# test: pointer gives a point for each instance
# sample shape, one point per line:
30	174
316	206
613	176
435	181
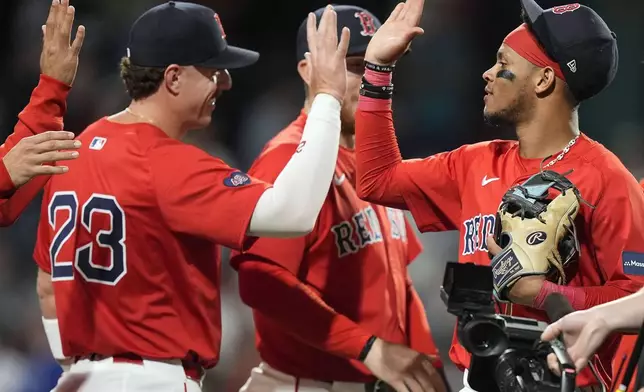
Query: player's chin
204	120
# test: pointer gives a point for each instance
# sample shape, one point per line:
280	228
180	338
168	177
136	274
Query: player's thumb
551	332
416	31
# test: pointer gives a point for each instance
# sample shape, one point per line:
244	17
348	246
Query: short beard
511	115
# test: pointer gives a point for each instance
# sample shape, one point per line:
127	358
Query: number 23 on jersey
67	232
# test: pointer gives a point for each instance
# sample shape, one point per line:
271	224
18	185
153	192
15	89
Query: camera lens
484	338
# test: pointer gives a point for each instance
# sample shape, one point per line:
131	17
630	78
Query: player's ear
544	81
171	78
304	70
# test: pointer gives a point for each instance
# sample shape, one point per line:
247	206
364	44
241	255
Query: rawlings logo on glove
537	233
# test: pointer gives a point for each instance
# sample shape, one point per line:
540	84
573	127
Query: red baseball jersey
355	259
130	236
461	190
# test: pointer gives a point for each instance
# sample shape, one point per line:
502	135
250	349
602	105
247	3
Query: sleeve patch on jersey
236	179
633	263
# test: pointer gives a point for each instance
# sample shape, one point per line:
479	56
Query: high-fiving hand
31	155
59	58
394	37
326	57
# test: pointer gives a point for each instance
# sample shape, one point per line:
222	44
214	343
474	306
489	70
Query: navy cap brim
232	57
532	10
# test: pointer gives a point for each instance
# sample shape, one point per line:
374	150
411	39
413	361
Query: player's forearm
47	300
12	207
625	314
290	208
45	290
377	152
6	184
44	112
298	310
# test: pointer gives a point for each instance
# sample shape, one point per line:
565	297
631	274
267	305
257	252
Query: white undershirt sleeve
290	208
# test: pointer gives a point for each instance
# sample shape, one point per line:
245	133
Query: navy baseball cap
579	40
184	34
362	24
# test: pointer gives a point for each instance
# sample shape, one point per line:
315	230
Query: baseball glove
536	231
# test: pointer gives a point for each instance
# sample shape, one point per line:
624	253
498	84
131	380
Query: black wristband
378	92
379	68
366	348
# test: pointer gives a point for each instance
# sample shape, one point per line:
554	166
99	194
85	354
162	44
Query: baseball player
319	302
545	68
128	242
27	154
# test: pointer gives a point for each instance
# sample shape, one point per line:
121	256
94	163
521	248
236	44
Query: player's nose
488	76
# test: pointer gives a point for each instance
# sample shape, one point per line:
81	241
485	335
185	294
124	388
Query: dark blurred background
438	107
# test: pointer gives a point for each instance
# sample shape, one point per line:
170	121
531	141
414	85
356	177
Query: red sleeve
617	230
429	187
44	112
414	246
322	328
201	195
286	252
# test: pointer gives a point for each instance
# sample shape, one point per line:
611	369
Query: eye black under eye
505	74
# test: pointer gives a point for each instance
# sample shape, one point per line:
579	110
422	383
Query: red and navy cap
579	40
184	34
362	24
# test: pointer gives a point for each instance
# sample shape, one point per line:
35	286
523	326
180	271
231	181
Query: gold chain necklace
561	154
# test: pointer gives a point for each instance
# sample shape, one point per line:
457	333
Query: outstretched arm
25	153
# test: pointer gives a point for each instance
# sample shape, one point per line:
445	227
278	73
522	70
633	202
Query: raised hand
29	157
59	58
326	57
394	37
403	368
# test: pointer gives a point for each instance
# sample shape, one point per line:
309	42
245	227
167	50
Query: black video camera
507	352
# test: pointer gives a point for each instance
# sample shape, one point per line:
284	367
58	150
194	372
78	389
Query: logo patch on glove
236	179
536	238
506	267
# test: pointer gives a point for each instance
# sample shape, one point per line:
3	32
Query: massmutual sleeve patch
633	263
236	179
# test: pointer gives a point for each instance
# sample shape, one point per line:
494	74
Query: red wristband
378	78
576	295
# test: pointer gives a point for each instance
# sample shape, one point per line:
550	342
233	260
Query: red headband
522	41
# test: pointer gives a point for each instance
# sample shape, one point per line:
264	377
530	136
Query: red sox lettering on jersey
364	229
475	233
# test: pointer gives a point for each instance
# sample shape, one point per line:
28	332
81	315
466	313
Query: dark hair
140	82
